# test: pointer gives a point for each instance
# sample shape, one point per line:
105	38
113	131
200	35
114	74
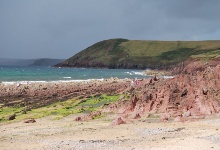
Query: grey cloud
59	29
195	9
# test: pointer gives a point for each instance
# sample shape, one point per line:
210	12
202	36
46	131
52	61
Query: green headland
141	54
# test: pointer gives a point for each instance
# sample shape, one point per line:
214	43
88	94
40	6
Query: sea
14	74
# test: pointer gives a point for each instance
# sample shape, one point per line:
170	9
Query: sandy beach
142	134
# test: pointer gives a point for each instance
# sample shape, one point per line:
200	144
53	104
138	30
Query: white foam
168	77
54	81
7	83
67	81
129	73
139	73
86	80
21	82
67	77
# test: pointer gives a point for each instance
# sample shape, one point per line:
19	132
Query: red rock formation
188	95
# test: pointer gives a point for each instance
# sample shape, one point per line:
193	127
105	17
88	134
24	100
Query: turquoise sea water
33	73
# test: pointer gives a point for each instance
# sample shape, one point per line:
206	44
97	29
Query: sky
61	28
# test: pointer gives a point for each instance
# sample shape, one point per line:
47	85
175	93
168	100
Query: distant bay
42	73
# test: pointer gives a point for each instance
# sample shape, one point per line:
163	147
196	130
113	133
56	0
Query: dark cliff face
46	62
91	64
126	54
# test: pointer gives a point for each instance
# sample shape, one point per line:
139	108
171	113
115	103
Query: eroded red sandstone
188	95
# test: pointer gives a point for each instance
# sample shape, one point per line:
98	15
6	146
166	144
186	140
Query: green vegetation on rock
123	53
60	109
207	56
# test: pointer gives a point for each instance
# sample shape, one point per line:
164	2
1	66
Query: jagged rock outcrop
192	95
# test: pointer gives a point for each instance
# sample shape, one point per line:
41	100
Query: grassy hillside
123	53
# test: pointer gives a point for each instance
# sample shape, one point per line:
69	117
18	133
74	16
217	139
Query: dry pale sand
99	134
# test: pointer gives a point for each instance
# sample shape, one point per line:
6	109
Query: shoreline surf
33	73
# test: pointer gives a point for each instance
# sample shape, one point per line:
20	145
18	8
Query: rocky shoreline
185	97
36	95
155	113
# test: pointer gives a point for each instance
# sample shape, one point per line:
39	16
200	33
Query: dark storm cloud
61	28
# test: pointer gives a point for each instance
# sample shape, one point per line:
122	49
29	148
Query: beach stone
94	115
30	121
78	119
118	121
11	117
164	117
178	119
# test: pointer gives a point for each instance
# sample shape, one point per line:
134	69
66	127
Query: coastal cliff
137	54
29	62
46	62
